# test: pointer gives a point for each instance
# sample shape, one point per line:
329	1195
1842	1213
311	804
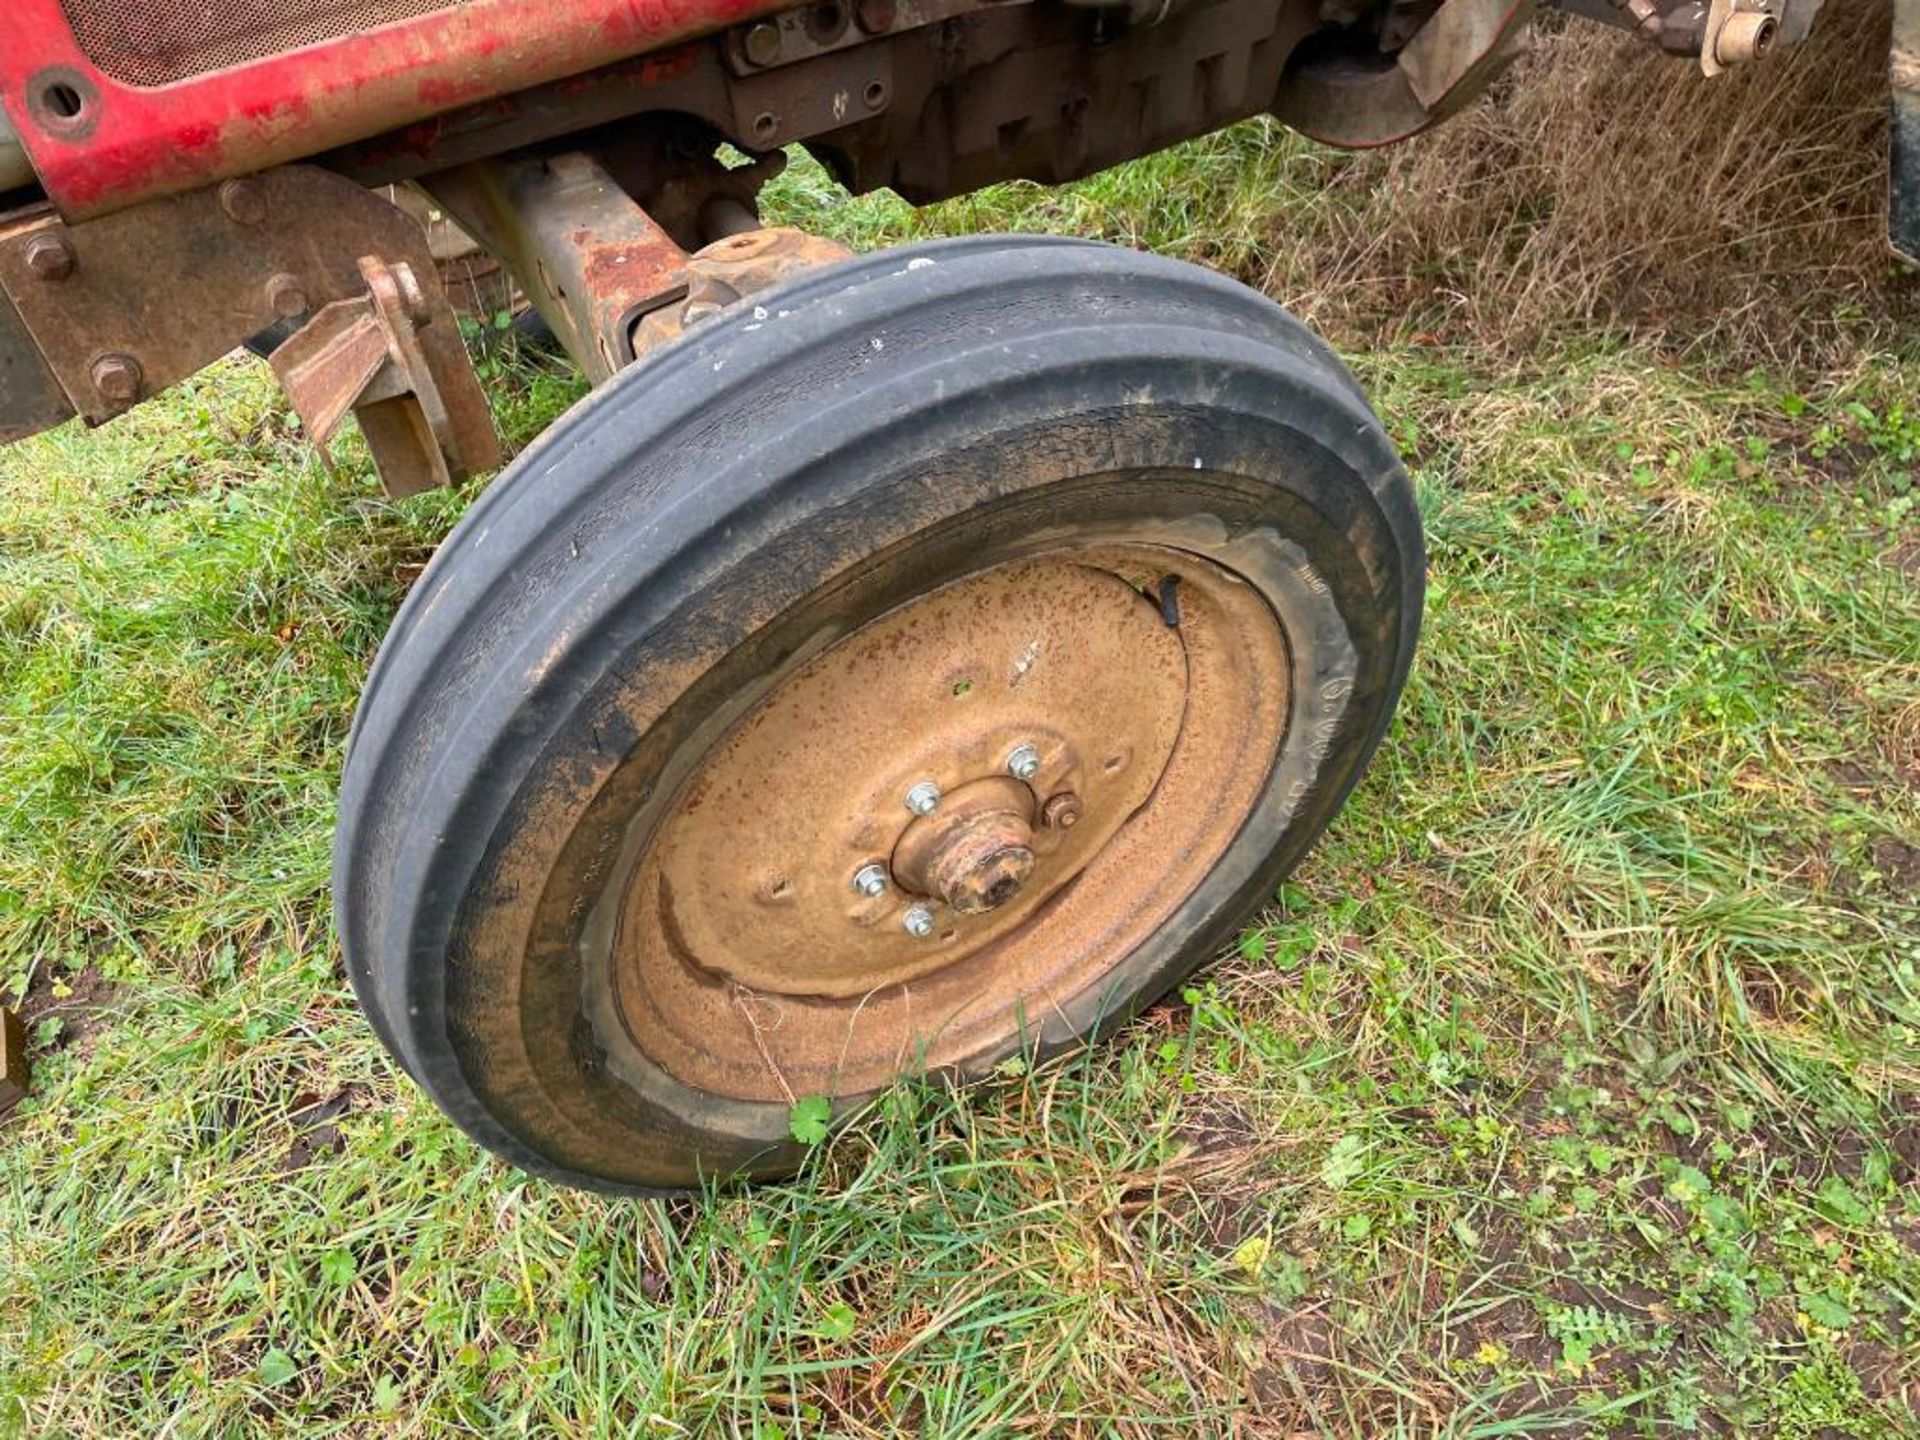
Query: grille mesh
161	41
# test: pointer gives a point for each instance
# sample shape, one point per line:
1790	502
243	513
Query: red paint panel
129	143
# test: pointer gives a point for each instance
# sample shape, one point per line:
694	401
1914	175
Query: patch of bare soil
77	999
1898	864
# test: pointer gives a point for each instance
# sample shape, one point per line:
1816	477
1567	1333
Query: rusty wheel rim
931	835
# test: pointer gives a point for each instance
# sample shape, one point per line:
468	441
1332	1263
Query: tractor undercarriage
603	190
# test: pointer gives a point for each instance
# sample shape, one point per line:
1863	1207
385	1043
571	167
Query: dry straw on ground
1601	184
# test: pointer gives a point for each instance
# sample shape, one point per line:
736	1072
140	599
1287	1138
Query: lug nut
1061	812
871	881
924	798
50	257
117	378
761	43
1024	762
918	921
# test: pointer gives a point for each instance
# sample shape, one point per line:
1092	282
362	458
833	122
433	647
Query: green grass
1572	1086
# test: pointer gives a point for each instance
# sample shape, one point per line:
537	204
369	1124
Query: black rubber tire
871	429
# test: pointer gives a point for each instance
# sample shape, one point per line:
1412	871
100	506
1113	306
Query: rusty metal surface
976	852
609	279
1359	101
31	400
728	271
991	92
748	963
171	286
928	97
476	284
829	758
1903	180
366	355
1445	52
328	364
591	260
404	413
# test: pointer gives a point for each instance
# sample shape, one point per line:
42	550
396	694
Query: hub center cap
975	852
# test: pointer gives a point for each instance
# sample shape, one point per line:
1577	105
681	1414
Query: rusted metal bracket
366	355
121	307
609	280
1464	39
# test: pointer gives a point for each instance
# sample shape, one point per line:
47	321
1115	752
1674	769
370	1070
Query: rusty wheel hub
963	811
974	851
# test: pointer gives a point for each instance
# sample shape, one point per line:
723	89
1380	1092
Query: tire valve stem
1170	601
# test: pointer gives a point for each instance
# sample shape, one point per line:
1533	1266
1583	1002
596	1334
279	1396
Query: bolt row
1023	763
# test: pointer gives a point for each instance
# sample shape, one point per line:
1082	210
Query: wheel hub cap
975	852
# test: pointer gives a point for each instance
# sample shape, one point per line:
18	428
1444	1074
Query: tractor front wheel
929	661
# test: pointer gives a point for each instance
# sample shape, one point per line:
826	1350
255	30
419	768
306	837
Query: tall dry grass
1603	186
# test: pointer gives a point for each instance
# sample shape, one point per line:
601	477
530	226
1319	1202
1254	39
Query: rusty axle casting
607	277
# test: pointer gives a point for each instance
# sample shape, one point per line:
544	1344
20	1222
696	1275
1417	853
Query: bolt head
412	295
876	15
871	881
285	297
244	201
1024	762
117	378
50	257
918	921
1061	812
761	43
924	798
